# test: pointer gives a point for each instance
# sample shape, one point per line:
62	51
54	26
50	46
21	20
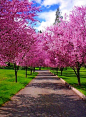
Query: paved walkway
45	96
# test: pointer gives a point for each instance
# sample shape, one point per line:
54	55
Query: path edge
11	98
81	95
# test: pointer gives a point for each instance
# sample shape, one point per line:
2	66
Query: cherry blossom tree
68	41
27	55
10	13
61	45
78	43
14	15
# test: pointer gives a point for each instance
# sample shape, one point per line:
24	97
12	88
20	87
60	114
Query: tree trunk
16	76
39	68
26	71
8	63
33	69
66	68
15	72
57	70
78	75
61	70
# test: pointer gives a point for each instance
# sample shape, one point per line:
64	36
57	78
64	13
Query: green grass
45	68
8	86
70	77
42	68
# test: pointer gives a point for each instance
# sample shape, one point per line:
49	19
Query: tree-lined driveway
45	96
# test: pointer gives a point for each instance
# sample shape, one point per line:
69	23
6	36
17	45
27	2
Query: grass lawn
70	77
43	68
8	86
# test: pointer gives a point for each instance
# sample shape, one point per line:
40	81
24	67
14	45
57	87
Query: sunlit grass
42	68
8	86
70	77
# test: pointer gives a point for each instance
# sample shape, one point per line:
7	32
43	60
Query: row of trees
65	42
61	45
17	38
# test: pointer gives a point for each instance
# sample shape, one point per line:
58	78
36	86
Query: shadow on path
52	105
45	97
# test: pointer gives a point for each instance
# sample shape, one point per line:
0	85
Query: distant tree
40	31
58	16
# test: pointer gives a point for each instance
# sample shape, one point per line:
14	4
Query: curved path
45	96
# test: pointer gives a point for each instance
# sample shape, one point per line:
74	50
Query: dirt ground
45	96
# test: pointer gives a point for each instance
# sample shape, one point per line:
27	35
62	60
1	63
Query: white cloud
50	2
38	1
79	2
29	0
49	19
47	15
65	7
64	3
42	27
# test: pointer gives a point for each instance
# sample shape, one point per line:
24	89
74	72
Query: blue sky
47	16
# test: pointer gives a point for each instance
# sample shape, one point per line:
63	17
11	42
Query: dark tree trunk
33	69
77	72
9	64
66	68
78	76
61	70
26	71
39	68
16	76
57	70
15	72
